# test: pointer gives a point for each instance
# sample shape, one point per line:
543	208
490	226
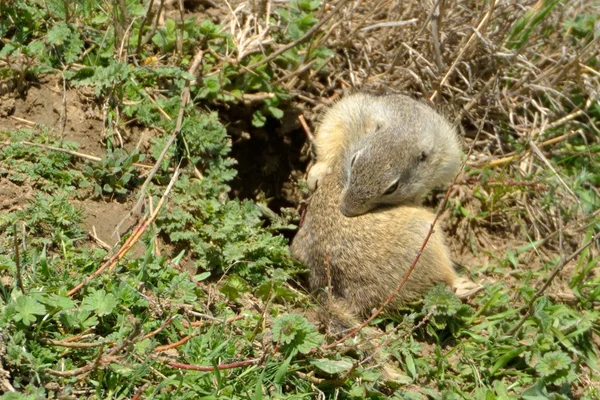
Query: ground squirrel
368	255
391	150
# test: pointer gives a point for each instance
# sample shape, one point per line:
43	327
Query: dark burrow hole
270	159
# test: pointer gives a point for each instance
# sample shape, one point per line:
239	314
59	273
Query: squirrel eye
353	159
423	157
392	188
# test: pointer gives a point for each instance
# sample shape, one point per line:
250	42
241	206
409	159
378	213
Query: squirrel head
405	155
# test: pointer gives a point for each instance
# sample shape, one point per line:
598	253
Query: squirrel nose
348	211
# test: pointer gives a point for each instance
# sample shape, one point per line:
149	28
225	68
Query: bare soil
70	114
104	217
13	196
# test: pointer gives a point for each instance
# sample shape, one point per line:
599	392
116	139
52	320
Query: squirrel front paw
316	174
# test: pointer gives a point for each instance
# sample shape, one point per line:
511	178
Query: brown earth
69	113
72	114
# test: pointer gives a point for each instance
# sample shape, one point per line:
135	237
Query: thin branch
66	151
18	260
464	49
160	349
209	368
392	24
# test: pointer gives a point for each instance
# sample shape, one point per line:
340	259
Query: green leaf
233	287
295	333
282	370
258	389
58	34
309	5
535	392
505	359
202	276
410	365
100	18
258	119
99	302
276	112
27	308
332	367
445	302
553	361
59	302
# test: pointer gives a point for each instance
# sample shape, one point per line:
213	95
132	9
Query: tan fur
386	136
364	144
369	254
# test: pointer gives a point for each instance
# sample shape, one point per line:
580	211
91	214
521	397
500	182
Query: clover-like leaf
332	367
27	308
295	333
552	362
99	302
445	302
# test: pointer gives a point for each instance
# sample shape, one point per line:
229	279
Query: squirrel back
366	257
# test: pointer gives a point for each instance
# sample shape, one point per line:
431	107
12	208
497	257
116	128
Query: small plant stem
71	345
306	129
508	159
154	24
67	11
181	9
147	17
397	55
185	96
63	109
237	364
436	23
538	153
139	392
385	343
18	260
553	275
160	349
198	324
162	327
294	73
78	371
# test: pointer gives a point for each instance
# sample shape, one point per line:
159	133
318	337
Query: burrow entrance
270	159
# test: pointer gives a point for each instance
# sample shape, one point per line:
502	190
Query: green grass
211	283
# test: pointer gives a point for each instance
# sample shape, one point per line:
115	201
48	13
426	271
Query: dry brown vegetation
520	78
